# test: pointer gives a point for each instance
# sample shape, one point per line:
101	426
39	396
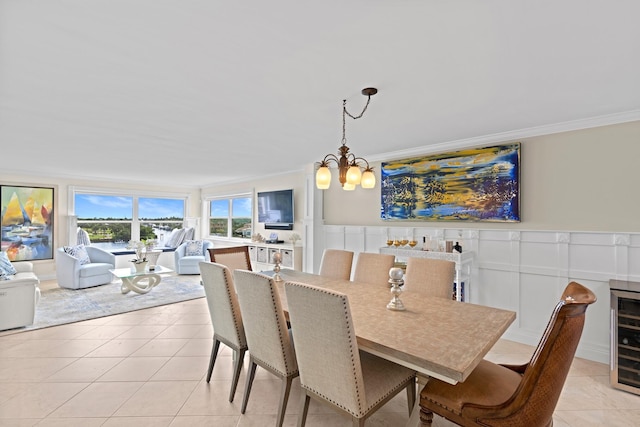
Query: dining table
436	337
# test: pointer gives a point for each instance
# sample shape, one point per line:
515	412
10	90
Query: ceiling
199	92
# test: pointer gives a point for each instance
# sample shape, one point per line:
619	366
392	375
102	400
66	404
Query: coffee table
140	282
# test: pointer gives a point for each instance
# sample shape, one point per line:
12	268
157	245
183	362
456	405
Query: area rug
60	306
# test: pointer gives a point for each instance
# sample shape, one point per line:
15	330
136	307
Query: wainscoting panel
497	290
354	240
526	271
334	237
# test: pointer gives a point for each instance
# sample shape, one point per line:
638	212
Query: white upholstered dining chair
332	369
431	277
373	268
265	326
225	317
336	264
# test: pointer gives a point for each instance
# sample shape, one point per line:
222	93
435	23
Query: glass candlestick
277	259
396	280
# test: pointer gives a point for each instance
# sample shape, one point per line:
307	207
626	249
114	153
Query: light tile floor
147	368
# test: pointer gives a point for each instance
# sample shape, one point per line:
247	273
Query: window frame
135	222
230	216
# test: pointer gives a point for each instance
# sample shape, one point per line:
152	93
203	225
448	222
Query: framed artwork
478	184
27	222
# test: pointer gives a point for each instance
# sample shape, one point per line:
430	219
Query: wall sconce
349	166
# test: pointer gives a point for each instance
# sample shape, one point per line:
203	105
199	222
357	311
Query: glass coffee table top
140	281
131	272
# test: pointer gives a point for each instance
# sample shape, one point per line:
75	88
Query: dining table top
441	338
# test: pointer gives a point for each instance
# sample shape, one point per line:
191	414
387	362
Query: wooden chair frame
230	250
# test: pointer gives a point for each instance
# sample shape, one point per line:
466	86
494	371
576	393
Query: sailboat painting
26	219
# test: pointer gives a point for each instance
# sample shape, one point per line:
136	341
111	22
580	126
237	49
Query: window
112	220
231	216
159	216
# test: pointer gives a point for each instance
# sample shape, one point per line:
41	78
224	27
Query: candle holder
396	280
277	260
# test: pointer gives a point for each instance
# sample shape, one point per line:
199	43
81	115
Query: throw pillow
193	248
176	238
189	233
83	237
79	252
167	239
6	268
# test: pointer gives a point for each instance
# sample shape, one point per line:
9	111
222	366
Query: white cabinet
463	262
261	255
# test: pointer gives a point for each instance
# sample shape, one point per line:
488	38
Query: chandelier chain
344	106
344	122
345	113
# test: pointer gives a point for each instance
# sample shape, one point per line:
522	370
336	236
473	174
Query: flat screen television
275	209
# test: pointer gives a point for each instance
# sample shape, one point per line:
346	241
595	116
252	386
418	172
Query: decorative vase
140	266
152	258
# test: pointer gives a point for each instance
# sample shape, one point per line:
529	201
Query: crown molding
592	122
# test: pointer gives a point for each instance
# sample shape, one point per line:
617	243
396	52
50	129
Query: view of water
160	233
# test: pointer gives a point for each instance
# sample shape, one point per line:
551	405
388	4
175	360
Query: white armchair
74	275
19	297
190	264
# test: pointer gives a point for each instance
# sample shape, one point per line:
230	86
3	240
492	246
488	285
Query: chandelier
349	166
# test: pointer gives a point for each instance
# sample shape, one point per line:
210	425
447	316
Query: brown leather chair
509	395
234	257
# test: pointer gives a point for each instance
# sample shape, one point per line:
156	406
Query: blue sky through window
242	207
220	208
160	208
92	206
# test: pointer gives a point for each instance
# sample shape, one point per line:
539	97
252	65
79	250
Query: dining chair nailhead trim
235	313
287	362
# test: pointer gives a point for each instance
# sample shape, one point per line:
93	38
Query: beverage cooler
625	335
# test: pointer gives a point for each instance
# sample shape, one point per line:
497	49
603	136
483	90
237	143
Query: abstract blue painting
476	184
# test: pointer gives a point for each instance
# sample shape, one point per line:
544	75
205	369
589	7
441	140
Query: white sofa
19	297
73	275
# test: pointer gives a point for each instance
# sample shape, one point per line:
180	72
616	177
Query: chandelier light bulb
348	187
323	178
354	175
368	179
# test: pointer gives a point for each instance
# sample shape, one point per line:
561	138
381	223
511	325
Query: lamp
349	166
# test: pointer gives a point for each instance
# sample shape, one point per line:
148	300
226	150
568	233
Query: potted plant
140	261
